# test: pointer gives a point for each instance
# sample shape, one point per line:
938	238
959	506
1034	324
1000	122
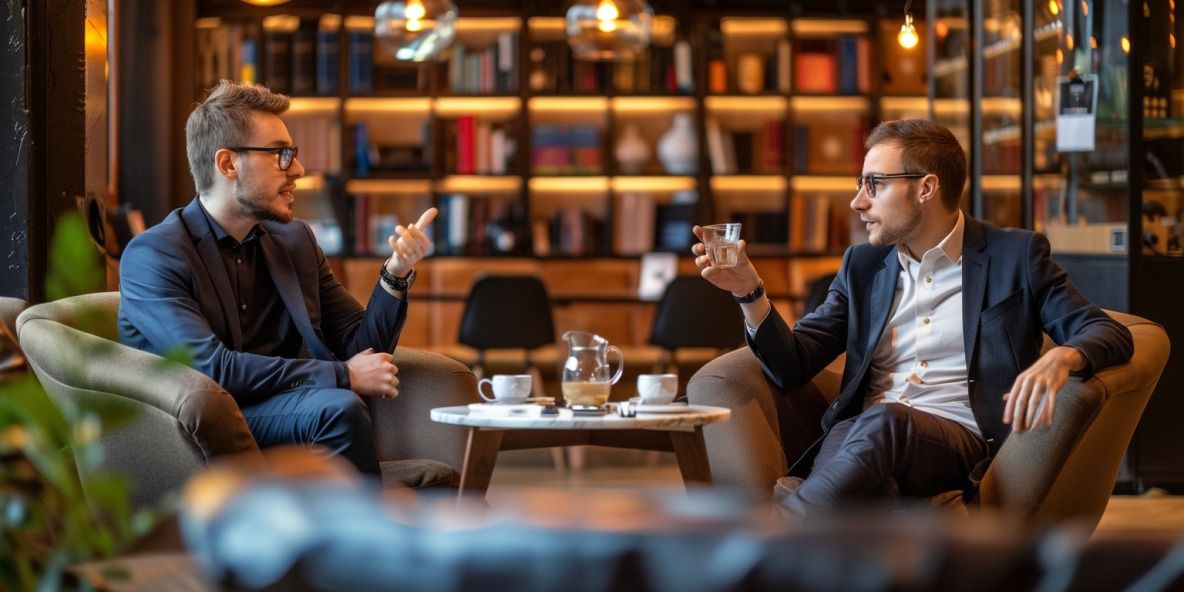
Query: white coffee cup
507	388
657	389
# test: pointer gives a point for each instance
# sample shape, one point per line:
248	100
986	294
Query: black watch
394	282
752	296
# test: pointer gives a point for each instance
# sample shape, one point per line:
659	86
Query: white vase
632	152
679	147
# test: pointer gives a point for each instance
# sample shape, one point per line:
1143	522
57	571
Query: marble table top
685	416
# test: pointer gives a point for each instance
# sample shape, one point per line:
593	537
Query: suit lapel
207	249
882	294
286	283
975	264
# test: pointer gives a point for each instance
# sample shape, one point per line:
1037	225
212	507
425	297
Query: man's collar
220	233
951	245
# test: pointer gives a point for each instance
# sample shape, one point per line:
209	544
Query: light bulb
415	30
908	33
608	29
415	10
266	2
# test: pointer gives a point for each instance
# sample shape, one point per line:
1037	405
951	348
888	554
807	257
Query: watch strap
394	282
752	296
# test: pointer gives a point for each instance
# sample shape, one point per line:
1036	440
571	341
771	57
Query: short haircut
224	119
926	147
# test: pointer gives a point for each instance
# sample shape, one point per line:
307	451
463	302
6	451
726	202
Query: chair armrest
749	452
203	410
1067	471
403	428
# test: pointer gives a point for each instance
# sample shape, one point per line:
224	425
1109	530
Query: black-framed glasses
868	182
284	154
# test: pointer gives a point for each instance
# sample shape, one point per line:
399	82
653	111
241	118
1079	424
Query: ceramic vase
632	152
678	150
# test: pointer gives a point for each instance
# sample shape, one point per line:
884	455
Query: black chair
507	312
694	313
816	292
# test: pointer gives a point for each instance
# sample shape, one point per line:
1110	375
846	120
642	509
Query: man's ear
226	164
930	188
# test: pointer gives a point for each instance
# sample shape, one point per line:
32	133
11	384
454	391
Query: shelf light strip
746	103
569	184
651	183
383	105
828	27
748	183
821	183
829	103
479	184
753	26
420	186
651	104
568	104
312	106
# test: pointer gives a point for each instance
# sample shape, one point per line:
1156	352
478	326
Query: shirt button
238	260
925	320
913	378
928	279
924	363
244	307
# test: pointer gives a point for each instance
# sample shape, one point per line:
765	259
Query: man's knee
342	407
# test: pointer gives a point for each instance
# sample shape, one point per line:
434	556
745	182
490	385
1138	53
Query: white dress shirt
920	360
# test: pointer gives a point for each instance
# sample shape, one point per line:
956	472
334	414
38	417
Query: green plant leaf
73	261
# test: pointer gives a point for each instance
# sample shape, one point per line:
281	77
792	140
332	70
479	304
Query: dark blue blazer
1012	293
175	291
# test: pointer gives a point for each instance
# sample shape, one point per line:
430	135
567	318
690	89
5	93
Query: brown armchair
1066	471
185	419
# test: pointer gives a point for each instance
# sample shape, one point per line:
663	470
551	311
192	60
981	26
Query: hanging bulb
608	29
266	2
908	33
415	30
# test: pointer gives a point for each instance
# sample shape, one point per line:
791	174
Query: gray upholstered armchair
185	419
1059	473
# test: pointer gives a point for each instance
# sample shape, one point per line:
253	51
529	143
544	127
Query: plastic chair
693	313
507	312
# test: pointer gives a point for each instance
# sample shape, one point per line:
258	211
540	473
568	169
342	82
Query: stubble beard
256	205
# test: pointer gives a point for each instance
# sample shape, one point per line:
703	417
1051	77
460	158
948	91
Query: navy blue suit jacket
175	291
1012	293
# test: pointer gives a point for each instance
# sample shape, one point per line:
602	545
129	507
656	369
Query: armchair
186	420
1063	472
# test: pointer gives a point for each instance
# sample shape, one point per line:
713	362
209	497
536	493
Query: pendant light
609	29
415	30
908	33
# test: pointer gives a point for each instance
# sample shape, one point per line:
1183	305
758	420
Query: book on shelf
478	147
815	68
278	33
672	226
683	67
783	66
361	60
327	52
574	232
565	149
633	224
304	59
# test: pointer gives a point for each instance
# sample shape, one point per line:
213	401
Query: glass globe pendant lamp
609	30
415	30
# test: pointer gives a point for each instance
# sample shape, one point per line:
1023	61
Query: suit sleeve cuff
342	372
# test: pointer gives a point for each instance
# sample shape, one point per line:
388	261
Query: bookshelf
518	144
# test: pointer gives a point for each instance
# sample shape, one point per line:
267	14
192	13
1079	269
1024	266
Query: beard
895	232
261	206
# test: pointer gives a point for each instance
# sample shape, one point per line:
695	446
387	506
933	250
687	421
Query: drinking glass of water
721	242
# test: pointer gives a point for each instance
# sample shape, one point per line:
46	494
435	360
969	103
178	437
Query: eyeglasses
869	182
284	154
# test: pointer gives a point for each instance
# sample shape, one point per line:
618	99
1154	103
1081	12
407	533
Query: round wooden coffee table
676	429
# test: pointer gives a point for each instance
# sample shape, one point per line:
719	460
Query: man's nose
860	202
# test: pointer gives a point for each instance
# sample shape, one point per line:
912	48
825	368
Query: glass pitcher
587	376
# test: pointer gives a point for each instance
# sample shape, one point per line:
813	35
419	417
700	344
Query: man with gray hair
245	289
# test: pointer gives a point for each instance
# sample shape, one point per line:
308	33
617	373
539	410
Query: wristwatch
752	296
394	282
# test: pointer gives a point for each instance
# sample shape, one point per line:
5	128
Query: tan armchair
1065	472
185	419
10	308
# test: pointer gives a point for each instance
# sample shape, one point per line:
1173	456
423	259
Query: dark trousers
888	450
337	419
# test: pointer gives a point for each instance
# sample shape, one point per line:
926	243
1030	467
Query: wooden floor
1155	511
